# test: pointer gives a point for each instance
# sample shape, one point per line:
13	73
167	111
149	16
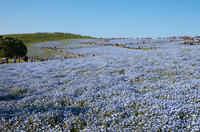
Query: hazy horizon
129	18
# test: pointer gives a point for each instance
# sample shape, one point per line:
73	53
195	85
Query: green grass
42	37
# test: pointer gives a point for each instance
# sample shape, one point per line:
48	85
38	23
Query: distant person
18	59
6	60
33	60
29	59
14	59
26	59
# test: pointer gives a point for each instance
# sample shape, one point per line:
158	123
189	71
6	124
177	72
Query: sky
102	18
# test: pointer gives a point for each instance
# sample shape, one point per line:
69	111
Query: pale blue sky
102	18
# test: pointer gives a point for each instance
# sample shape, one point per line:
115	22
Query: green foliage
10	47
41	37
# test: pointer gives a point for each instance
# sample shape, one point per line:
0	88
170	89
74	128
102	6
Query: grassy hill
41	37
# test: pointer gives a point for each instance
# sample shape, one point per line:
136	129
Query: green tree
10	47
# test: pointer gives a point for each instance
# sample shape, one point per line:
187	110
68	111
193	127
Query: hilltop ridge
29	38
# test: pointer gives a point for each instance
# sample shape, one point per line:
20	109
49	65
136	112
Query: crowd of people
5	60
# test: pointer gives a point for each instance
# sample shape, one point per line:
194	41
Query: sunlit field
123	84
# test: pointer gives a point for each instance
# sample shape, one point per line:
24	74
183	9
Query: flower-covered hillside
118	89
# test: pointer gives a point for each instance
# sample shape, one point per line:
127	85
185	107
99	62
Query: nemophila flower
120	89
